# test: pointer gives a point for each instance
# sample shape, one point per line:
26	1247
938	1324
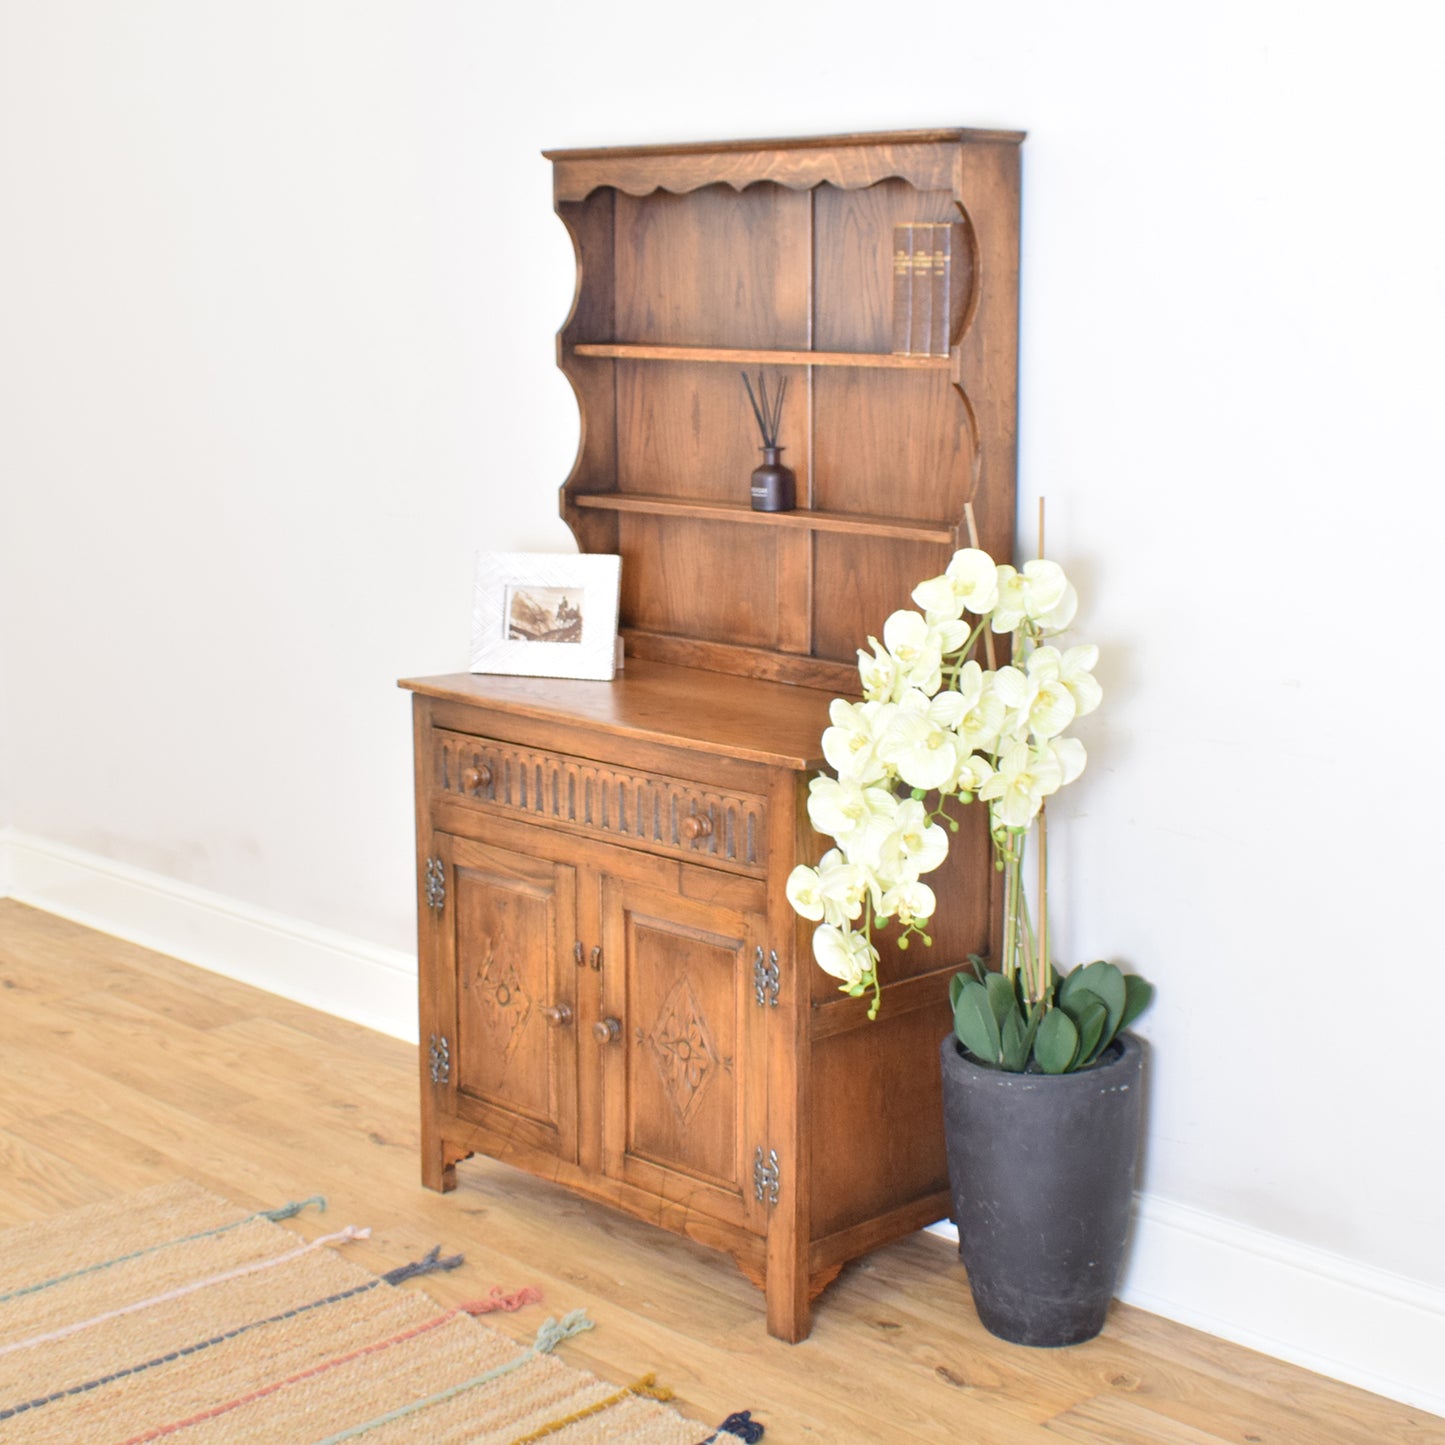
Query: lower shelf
803	518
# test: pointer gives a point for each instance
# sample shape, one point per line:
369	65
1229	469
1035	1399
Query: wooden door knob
475	779
559	1015
696	825
608	1030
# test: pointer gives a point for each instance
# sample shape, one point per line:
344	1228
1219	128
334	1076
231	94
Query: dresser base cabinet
616	995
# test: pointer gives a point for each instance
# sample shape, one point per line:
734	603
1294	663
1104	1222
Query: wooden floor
120	1068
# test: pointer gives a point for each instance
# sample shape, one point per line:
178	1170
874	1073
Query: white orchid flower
1060	616
920	743
973	772
1076	672
851	744
1038	703
1041	593
844	954
913	845
834	892
1049	705
805	893
983	713
1025	777
918	646
878	673
839	808
1069	754
910	903
843	887
970	583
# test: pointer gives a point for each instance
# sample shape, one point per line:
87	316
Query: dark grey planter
1042	1172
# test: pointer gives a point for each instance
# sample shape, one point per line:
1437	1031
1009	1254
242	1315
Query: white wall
278	288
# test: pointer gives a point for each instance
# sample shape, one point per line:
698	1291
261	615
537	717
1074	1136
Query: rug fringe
740	1426
286	1211
430	1263
291	1210
647	1387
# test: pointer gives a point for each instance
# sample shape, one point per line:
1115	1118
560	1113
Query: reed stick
1043	845
757	410
973	542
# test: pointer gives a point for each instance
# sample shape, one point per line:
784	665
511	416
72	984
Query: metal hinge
441	1059
436	884
765	1176
765	979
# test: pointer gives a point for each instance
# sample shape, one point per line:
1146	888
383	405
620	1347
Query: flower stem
1043	958
1010	909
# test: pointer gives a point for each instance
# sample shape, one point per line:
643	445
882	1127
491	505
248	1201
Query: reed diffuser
774	487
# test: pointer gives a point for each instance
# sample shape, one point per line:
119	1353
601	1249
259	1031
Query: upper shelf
631	351
851	162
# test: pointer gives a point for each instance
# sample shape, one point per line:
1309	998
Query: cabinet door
508	957
685	1076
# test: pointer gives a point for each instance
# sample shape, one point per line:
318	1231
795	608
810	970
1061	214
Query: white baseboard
1318	1310
1330	1314
1269	1293
315	966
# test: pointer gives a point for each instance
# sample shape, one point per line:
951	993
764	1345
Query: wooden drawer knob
608	1030
475	779
696	825
559	1015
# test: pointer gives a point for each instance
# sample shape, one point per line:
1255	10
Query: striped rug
175	1314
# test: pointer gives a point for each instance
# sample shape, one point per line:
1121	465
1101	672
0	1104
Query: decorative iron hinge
436	884
441	1060
765	978
765	1176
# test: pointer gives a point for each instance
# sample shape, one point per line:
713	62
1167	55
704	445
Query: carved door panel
513	929
684	1075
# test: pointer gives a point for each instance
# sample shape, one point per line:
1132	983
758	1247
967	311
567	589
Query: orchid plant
935	730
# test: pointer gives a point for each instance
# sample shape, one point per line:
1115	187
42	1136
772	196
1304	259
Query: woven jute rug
176	1313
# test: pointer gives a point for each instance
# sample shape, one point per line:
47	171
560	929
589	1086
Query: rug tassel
649	1387
741	1425
429	1263
291	1210
499	1299
553	1331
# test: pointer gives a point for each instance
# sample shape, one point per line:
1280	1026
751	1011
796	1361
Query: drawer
648	810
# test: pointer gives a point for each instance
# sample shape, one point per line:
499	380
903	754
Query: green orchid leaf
955	987
1031	1032
1090	1022
1057	1042
979	967
1014	1042
1138	995
1001	997
1103	980
974	1023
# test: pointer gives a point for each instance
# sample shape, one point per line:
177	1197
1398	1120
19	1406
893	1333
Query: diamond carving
504	1003
682	1049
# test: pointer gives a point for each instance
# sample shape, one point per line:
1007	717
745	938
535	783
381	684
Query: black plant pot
1042	1172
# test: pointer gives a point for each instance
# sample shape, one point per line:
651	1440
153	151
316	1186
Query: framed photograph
540	615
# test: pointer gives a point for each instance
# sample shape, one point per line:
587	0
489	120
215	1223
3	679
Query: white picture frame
546	615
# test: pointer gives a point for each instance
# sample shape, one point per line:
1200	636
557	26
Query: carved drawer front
622	804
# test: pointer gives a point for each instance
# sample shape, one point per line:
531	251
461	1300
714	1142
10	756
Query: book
940	280
921	288
902	290
932	274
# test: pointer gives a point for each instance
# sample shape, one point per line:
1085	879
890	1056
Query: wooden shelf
804	519
629	351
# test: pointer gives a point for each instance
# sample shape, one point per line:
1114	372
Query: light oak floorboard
120	1068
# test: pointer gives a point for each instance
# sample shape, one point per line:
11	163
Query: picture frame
546	615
